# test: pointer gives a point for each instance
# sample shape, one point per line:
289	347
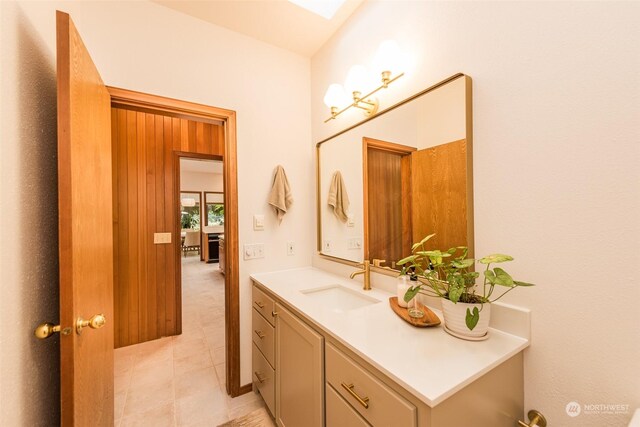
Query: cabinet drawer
264	378
340	413
263	304
263	336
378	404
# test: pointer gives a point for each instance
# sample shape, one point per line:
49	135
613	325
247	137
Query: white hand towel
338	198
280	197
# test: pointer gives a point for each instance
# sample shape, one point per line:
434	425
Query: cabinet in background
210	248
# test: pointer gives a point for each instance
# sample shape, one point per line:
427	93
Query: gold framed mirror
391	179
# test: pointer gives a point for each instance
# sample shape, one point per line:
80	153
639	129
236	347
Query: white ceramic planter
454	315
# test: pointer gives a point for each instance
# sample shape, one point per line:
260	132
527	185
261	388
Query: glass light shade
388	58
335	96
188	202
358	80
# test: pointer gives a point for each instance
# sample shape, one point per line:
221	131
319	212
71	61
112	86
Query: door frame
190	110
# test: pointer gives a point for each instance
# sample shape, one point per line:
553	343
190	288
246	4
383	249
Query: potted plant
449	275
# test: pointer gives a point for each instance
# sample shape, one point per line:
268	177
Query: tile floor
180	381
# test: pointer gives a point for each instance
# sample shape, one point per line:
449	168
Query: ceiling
277	22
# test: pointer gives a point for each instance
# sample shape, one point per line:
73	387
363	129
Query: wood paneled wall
147	298
441	189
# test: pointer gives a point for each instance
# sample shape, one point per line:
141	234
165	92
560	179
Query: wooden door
299	372
441	192
85	233
387	200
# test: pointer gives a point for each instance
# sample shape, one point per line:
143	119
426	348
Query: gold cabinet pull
260	377
96	322
259	334
259	304
45	330
364	401
535	419
274	313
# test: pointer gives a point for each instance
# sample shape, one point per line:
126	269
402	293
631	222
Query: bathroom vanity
325	352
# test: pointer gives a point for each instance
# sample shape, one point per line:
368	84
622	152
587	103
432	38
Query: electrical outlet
291	250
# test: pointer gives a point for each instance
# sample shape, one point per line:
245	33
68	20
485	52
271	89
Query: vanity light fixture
359	80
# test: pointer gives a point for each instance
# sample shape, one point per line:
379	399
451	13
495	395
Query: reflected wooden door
441	191
387	200
86	233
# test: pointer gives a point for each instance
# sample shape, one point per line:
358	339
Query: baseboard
245	389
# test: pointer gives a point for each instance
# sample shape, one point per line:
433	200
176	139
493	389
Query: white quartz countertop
428	362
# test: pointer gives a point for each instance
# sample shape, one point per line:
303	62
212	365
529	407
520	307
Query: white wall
557	183
148	48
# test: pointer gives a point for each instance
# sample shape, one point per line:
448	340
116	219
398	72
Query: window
214	208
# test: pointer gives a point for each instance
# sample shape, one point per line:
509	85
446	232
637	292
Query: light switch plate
326	246
350	221
258	222
253	251
354	243
161	238
291	248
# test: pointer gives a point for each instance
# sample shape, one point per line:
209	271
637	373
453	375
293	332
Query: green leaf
422	242
502	277
454	293
518	283
452	251
410	258
435	253
489	259
464	263
491	276
472	319
411	292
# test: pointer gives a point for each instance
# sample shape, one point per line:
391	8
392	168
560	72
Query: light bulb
358	80
335	96
388	58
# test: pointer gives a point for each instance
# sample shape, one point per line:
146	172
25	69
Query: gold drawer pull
259	304
364	401
260	377
259	334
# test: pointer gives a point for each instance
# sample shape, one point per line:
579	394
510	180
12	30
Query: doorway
151	134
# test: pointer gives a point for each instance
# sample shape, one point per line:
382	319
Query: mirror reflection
399	176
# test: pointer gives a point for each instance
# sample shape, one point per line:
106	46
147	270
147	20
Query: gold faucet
367	274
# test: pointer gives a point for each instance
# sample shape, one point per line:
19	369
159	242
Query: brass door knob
96	322
45	330
535	419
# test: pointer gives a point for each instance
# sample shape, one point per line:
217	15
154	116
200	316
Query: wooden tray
429	319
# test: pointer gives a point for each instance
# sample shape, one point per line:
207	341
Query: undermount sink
338	298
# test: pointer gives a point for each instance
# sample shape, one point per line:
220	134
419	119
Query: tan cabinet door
86	234
299	372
